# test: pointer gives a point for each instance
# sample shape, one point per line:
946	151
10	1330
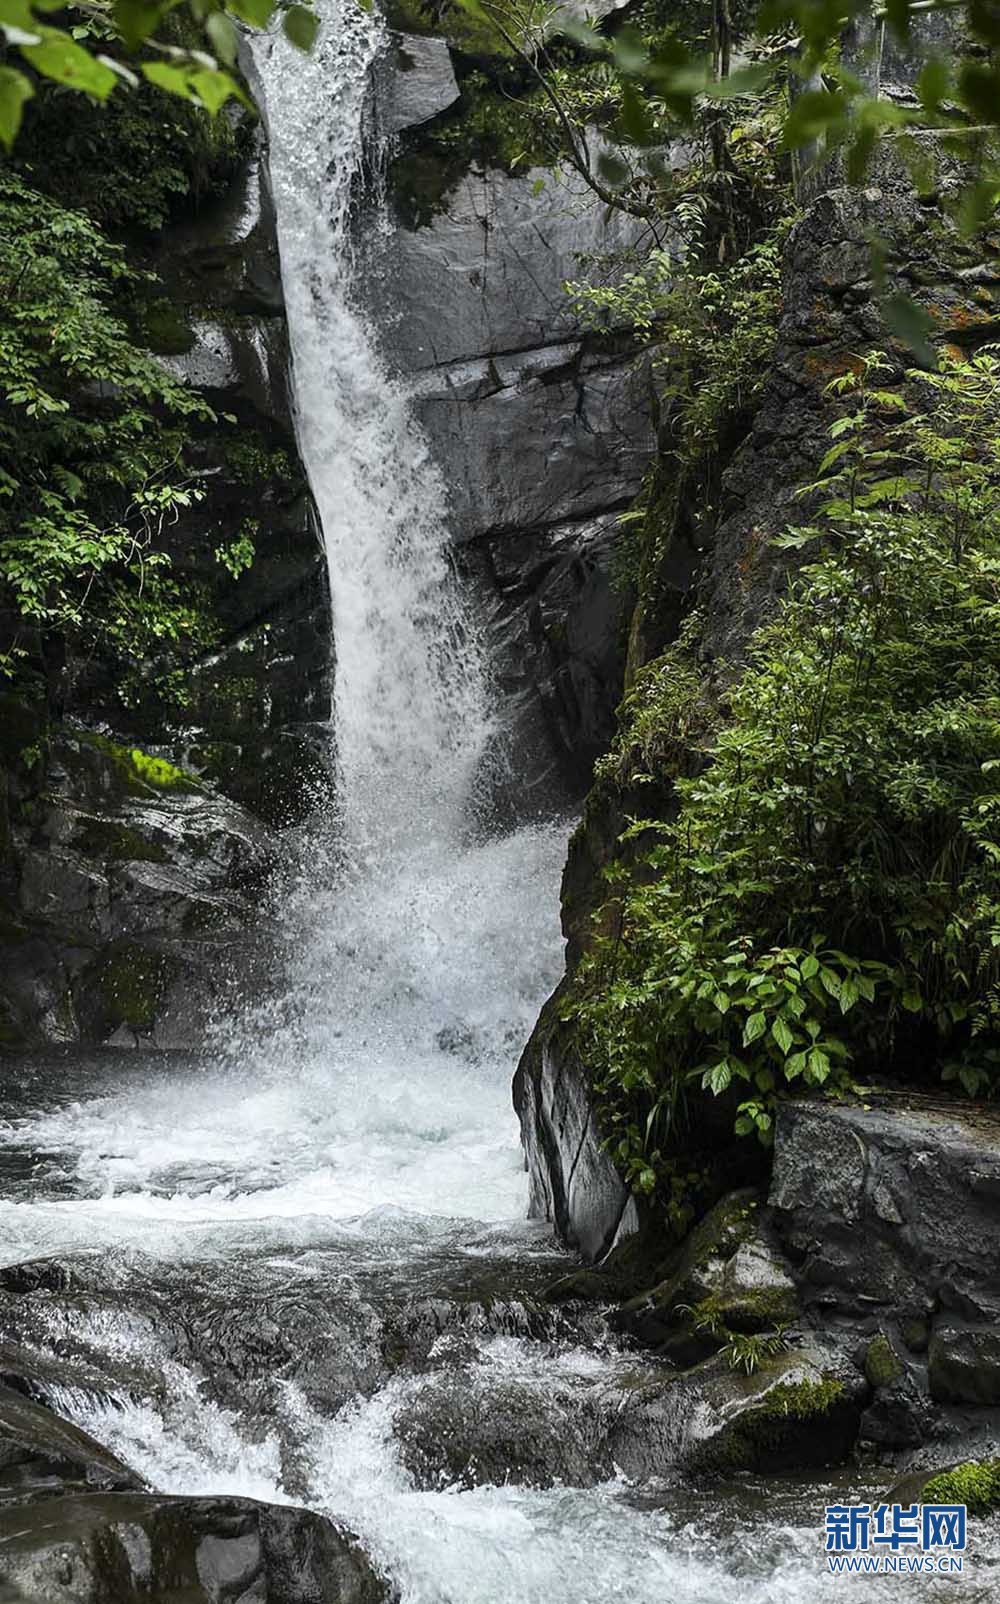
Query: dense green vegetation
824	903
123	519
187	51
92	437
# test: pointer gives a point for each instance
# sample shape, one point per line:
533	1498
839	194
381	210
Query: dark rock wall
888	1218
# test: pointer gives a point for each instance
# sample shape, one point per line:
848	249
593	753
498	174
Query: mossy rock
161	326
972	1482
797	1423
441	19
138	772
882	1366
665	1316
116	842
976	1483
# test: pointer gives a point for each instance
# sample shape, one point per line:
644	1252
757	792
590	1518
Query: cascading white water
411	714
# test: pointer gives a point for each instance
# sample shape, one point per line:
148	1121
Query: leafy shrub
92	435
825	903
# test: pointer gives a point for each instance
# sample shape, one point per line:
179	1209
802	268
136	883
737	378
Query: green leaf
257	13
136	20
849	993
754	1027
15	89
222	34
173	79
795	1065
971	1079
783	1035
60	58
300	25
213	89
812	114
718	1078
912	1000
818	1065
810	966
911	325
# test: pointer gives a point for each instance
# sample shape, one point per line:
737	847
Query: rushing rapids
297	1269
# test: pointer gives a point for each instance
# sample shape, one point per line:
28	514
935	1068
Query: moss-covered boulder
795	1410
725	1280
976	1483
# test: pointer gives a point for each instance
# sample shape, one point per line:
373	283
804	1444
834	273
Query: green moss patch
140	771
882	1366
975	1484
473	36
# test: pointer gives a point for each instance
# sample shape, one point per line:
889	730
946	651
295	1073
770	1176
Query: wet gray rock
573	418
963	1364
889	1218
134	883
470	1430
891	1208
572	1181
497	256
130	1548
555	632
414	83
41	1454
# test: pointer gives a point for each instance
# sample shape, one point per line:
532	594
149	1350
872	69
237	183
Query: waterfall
411	711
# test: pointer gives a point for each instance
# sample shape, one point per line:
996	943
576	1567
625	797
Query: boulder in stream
136	1548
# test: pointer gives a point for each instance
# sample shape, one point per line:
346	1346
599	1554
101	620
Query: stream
296	1267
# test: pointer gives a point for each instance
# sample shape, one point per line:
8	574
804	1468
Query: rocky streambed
217	1386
